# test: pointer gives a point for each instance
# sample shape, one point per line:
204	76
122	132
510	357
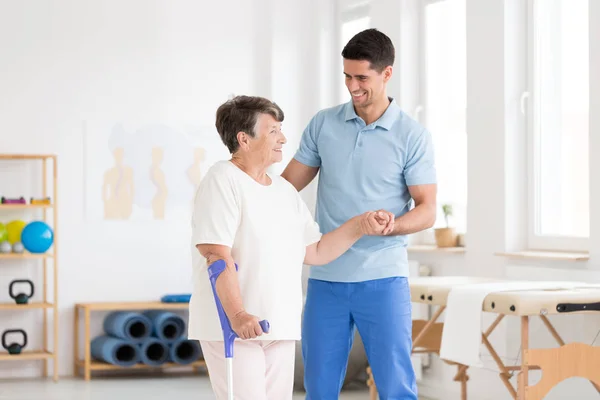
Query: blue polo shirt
363	168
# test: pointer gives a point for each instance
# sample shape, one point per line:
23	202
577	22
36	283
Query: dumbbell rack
45	304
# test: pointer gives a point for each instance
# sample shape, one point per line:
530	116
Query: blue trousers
381	311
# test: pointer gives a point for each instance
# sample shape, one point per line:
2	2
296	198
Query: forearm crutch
214	270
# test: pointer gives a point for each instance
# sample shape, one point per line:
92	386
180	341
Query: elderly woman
244	215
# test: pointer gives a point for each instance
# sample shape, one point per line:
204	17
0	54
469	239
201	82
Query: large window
444	102
354	21
558	119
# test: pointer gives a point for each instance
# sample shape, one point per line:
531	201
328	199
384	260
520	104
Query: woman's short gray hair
240	114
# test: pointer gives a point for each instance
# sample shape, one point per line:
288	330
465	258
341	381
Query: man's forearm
418	219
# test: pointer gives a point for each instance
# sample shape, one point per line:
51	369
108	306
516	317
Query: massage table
557	364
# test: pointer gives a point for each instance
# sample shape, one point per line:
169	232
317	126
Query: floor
125	388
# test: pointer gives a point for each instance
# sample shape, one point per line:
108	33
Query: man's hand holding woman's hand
376	223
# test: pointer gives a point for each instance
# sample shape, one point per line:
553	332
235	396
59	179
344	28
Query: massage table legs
523	377
371	384
557	364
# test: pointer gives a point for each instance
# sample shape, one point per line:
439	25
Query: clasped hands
376	223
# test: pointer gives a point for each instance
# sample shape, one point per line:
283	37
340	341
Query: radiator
422	312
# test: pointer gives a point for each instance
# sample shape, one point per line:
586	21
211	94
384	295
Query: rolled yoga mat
128	325
176	298
185	351
115	351
154	352
166	325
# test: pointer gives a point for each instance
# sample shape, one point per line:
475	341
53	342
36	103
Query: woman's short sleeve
216	213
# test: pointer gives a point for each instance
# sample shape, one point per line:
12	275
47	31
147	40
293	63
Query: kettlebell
14	348
21	298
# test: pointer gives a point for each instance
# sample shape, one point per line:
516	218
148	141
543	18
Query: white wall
70	66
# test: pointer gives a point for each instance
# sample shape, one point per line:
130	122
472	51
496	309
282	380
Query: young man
370	155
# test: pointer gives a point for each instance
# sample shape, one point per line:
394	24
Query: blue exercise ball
37	237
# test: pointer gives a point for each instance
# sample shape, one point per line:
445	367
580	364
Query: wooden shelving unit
87	364
28	356
48	164
24	255
26	206
31	306
102	366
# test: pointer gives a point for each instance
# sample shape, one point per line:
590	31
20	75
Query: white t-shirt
267	229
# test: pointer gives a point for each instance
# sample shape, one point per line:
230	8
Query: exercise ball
3	233
14	229
37	237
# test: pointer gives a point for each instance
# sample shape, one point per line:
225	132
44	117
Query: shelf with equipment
33	305
32	241
85	362
24	255
25	206
27	356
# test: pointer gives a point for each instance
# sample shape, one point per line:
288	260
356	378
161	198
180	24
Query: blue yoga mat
115	351
166	325
128	325
154	352
185	351
176	298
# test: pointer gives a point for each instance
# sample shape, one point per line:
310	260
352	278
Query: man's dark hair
373	46
240	114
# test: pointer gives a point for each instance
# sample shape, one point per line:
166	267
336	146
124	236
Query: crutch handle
214	270
264	324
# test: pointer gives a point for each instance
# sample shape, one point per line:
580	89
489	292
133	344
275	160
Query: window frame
530	113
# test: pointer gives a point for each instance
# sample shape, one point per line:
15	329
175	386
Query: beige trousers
262	370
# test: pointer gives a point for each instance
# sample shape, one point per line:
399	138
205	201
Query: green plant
447	210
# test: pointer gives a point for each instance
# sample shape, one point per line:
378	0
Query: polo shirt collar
385	121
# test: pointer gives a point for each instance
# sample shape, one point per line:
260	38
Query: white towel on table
461	336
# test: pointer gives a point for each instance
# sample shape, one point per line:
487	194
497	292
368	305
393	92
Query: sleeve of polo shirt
420	166
216	213
308	151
